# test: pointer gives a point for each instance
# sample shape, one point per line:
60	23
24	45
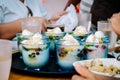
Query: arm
9	30
74	2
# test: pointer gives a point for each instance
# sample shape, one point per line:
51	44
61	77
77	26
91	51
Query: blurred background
52	4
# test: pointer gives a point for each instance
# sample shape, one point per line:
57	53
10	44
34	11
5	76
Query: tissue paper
70	19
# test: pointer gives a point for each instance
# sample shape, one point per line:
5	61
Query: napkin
70	20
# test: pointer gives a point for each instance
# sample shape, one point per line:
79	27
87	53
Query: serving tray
50	70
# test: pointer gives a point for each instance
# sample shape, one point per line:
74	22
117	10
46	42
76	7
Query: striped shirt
85	6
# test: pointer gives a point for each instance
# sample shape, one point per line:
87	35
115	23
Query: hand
85	74
115	22
57	16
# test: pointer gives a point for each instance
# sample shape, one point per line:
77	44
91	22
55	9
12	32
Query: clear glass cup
52	26
35	56
52	39
81	37
5	58
68	54
20	38
31	25
96	50
84	19
106	28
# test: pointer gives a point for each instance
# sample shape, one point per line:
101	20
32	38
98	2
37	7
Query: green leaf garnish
38	49
51	37
70	32
101	64
27	49
32	55
88	45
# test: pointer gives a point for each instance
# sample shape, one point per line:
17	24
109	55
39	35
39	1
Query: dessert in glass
53	35
35	52
96	45
24	35
52	26
68	50
80	32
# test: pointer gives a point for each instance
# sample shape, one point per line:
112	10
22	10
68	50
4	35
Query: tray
50	70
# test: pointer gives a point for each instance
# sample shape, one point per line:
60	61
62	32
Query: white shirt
85	6
11	10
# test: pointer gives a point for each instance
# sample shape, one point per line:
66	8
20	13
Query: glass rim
55	25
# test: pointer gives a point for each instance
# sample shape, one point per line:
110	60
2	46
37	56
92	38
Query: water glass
5	58
105	27
52	26
31	25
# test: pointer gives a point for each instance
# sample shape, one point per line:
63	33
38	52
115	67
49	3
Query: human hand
115	22
84	74
57	16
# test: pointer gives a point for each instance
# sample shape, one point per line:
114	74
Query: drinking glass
84	19
68	54
96	50
52	26
54	35
32	25
5	58
105	27
35	55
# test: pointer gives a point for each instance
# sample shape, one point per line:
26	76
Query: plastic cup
105	27
5	58
31	25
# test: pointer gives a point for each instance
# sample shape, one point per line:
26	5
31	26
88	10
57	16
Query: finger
83	71
76	77
43	28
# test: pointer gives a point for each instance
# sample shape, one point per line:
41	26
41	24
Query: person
100	9
85	5
74	2
104	9
13	12
85	74
115	23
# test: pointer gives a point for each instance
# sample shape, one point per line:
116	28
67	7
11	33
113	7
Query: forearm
9	30
74	2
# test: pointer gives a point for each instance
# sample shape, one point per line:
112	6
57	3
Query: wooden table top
19	76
